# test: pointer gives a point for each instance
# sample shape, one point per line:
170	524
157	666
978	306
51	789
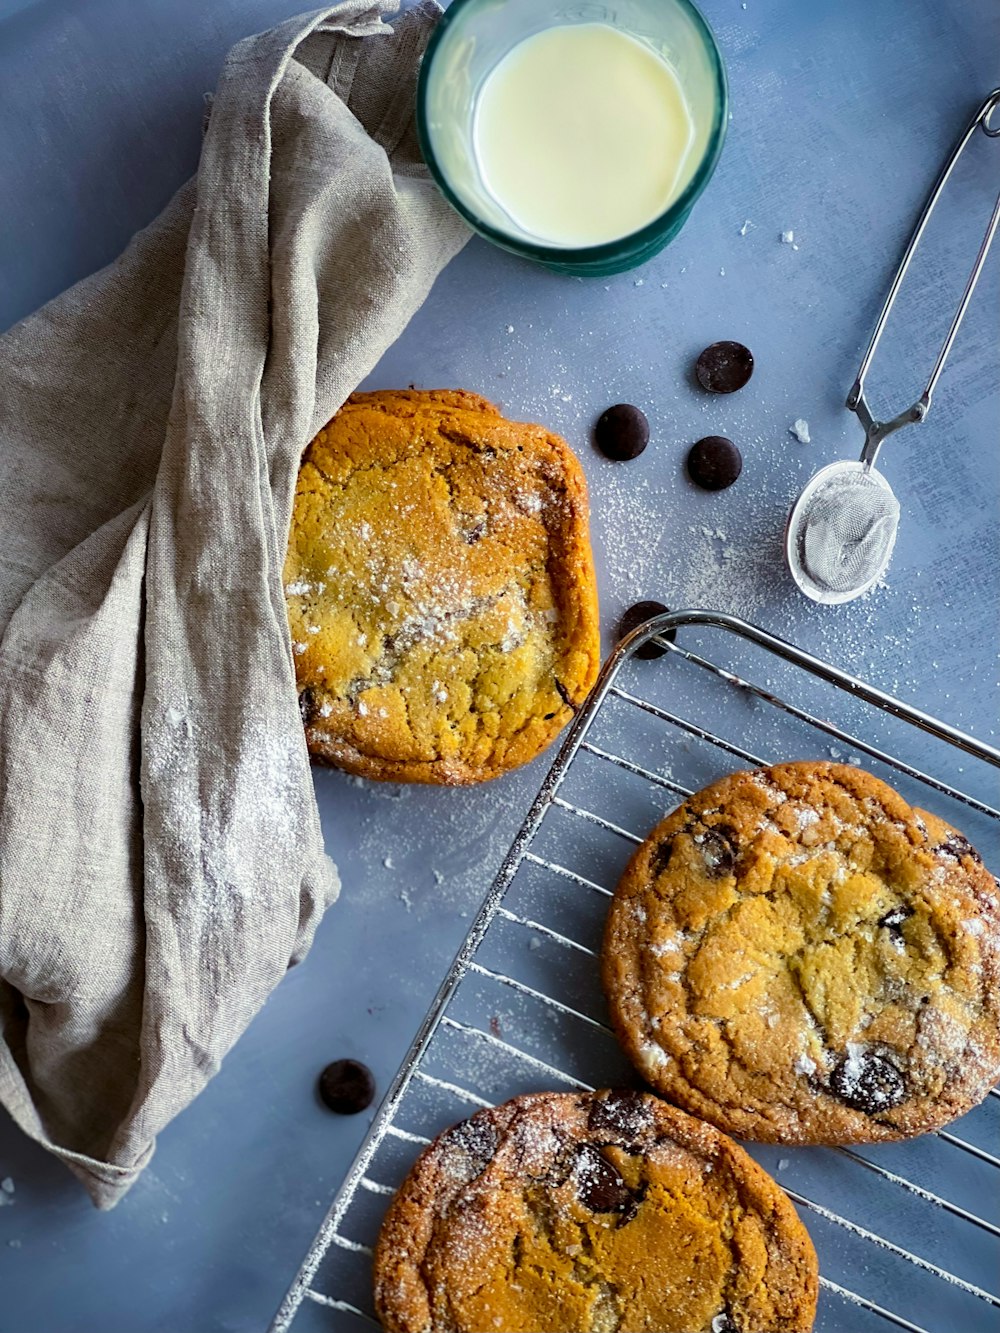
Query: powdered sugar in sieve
841	532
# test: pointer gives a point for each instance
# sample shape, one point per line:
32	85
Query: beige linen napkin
161	859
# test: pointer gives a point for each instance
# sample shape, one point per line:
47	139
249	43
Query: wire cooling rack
907	1234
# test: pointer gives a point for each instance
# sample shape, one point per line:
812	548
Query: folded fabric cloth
161	858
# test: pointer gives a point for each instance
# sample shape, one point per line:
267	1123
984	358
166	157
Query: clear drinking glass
470	40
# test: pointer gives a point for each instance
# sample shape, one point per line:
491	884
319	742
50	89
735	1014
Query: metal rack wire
908	1234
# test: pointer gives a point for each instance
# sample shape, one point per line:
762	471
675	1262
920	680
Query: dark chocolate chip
637	615
714	463
307	705
622	432
956	847
724	367
894	918
476	1136
475	532
661	857
563	693
347	1086
599	1185
623	1112
717	848
868	1081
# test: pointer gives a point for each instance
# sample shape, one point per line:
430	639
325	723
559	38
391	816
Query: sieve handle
876	431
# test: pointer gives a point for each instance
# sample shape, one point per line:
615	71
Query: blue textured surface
841	115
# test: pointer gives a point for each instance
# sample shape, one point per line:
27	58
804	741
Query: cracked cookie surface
608	1212
799	956
440	588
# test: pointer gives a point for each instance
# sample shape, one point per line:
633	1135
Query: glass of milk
576	135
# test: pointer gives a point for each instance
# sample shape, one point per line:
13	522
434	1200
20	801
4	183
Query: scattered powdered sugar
945	1036
775	794
672	943
788	238
740	981
539	1143
852	1070
529	502
804	1065
224	845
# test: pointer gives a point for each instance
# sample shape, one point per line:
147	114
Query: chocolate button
622	1112
347	1086
724	367
714	463
477	1137
599	1186
722	1323
893	922
637	615
718	851
868	1082
622	432
956	847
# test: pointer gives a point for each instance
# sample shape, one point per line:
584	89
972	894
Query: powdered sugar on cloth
161	859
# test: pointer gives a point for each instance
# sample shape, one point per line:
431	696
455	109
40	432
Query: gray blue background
841	115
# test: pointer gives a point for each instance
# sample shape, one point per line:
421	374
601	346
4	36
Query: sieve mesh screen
847	531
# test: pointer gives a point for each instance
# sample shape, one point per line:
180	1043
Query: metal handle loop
876	431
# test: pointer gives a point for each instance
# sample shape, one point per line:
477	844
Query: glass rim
558	254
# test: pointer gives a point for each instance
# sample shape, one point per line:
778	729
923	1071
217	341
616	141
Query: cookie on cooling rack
606	1212
799	956
440	588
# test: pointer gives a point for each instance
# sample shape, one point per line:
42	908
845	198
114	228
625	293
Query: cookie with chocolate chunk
799	956
607	1212
440	588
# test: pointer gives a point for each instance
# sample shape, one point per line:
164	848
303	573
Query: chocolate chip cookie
799	956
609	1212
440	588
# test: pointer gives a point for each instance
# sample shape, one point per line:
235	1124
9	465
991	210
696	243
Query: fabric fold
161	857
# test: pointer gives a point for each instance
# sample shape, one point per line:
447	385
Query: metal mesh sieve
847	531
